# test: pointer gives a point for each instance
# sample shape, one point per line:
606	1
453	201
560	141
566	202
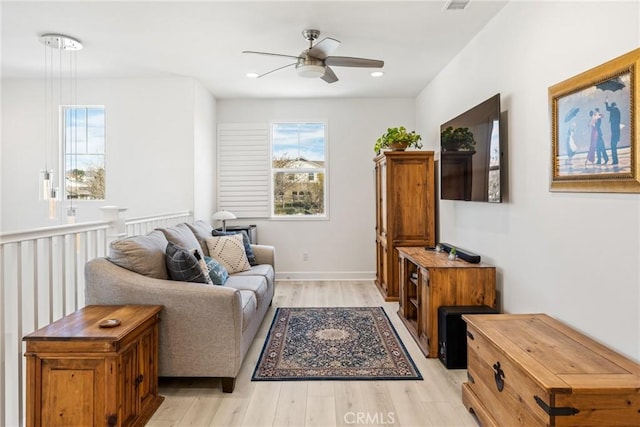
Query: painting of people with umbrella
595	130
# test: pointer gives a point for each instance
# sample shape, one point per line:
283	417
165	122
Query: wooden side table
82	374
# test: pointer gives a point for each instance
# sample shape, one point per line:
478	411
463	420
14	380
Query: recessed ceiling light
377	74
252	75
455	5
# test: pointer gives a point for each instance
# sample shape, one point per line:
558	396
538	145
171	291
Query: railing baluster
19	331
63	273
36	283
50	275
3	370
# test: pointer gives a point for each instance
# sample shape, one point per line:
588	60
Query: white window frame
63	151
323	217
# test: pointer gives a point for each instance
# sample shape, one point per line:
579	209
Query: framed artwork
595	130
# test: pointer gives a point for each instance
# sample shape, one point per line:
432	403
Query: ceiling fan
315	61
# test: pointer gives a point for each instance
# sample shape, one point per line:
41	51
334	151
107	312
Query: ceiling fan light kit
310	70
310	67
315	61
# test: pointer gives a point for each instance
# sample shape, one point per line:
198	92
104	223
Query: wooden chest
81	374
532	370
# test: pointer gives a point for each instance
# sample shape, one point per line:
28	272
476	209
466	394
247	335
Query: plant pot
398	146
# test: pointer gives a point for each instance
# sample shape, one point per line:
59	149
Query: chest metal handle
499	376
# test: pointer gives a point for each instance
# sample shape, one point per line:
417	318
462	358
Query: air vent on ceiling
455	4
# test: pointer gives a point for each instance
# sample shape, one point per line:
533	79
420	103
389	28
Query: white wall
204	153
343	246
574	256
157	135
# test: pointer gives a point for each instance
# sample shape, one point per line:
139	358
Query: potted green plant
457	139
398	139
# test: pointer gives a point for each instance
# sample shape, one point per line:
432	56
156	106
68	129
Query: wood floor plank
349	400
320	389
448	414
203	409
321	411
263	404
173	408
230	413
292	404
379	407
410	411
435	401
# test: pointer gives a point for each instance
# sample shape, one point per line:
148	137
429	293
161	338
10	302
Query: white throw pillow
229	251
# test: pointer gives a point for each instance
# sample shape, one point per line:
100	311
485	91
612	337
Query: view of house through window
83	142
298	164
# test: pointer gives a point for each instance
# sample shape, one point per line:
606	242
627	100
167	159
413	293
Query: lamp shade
223	215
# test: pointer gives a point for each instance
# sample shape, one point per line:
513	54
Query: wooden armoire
405	211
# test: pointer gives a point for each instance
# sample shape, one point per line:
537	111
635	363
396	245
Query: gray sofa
205	330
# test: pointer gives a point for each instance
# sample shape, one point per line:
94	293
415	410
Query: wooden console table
428	280
80	374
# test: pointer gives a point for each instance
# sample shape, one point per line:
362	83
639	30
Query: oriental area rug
346	343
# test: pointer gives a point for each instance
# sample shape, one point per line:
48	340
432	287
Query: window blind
243	169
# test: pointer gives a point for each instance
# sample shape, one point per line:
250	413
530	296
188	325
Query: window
83	143
298	167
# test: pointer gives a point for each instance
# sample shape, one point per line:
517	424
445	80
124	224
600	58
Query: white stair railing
42	280
143	225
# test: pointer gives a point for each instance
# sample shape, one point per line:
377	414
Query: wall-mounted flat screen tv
471	153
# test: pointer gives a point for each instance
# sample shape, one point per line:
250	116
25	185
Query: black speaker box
452	333
464	254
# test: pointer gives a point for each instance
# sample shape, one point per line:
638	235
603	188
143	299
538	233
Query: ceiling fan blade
348	61
277	69
329	76
270	54
324	47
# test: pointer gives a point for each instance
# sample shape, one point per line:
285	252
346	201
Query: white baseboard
324	275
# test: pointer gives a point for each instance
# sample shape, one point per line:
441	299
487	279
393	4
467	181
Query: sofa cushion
217	272
229	251
265	270
249	307
245	241
201	230
255	284
141	254
186	265
182	236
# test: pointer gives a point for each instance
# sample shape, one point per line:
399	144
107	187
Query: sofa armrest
201	325
265	254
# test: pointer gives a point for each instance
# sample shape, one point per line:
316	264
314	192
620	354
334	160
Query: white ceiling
205	40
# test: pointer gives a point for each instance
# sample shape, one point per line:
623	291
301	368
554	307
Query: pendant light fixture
59	50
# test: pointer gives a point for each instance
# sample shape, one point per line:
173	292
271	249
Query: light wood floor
435	401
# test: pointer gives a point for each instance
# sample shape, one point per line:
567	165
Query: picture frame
594	129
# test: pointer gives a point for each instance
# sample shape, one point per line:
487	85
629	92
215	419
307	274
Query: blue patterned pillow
217	272
184	265
245	241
